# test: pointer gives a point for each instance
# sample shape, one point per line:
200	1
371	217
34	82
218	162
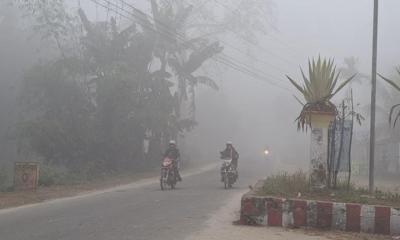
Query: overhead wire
238	63
226	60
233	63
225	43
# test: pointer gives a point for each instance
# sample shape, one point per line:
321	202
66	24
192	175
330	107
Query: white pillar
318	155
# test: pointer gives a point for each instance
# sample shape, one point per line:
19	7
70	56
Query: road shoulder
12	200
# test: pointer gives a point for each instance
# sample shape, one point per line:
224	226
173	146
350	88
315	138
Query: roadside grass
297	186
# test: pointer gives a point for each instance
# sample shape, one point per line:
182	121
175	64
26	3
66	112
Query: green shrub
52	175
288	186
4	178
285	185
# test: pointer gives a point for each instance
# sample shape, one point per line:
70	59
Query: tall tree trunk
351	137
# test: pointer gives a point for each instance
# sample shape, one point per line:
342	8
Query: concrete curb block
273	211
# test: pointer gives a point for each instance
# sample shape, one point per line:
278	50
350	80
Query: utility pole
373	99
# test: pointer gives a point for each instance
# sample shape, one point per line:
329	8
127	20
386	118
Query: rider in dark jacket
173	153
230	152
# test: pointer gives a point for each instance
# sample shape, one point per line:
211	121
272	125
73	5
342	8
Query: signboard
345	151
26	176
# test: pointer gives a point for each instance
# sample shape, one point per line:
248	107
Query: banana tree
186	67
180	51
318	112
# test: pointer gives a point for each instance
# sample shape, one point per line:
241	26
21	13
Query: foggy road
137	212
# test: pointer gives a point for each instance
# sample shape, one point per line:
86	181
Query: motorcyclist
231	153
173	153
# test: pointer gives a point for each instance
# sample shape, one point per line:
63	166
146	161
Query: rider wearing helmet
230	152
173	153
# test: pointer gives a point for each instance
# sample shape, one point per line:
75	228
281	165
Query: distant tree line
112	94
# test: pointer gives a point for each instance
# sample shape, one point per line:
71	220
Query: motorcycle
168	175
228	173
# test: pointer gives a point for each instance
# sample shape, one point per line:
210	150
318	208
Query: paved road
139	211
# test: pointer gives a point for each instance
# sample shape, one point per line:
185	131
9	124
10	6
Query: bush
284	184
52	175
4	179
288	186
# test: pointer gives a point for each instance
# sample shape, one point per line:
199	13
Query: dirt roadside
15	199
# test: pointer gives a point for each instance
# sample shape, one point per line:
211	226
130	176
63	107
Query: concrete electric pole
373	99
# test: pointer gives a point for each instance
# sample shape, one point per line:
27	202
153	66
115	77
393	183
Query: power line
248	55
182	38
285	43
228	62
250	73
246	66
252	57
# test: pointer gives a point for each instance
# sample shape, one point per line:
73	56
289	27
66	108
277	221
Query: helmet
172	142
229	143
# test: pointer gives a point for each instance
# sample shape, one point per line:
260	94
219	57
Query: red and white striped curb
271	211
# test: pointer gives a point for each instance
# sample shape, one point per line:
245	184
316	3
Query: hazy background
252	113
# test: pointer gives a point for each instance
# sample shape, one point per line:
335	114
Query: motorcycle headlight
266	152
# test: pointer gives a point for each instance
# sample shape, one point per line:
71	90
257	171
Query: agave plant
318	89
393	115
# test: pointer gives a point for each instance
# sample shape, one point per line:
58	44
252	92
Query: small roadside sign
26	176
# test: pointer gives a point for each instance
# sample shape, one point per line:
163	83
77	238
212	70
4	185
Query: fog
253	112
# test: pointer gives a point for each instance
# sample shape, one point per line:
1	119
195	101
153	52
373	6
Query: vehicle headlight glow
266	152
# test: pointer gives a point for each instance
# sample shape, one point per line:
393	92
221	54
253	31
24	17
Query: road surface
140	211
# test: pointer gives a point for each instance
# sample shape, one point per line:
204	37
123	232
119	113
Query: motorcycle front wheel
172	179
163	180
226	180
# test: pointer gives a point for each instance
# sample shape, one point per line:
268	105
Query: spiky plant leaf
296	85
392	109
396	119
321	83
298	100
318	88
343	85
391	82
